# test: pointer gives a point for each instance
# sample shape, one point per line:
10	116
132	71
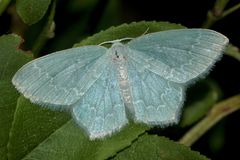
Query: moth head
118	51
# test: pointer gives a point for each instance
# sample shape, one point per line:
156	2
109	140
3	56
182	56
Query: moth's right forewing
180	55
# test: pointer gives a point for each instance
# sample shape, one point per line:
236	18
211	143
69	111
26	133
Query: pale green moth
143	80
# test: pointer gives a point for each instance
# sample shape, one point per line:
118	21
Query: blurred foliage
30	132
11	59
199	105
31	11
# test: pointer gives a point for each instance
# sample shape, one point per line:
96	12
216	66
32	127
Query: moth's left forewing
180	55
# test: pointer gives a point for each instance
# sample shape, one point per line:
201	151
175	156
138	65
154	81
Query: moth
143	80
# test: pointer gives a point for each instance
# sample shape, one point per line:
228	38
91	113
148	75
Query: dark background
76	20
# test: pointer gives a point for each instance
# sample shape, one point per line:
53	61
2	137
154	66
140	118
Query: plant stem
233	51
230	10
219	111
3	5
47	32
217	13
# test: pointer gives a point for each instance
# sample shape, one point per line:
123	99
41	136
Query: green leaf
32	124
11	59
160	148
31	11
8	97
69	142
3	5
134	29
202	97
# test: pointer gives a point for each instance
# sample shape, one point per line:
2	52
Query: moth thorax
124	85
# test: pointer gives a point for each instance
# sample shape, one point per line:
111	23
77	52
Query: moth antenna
115	41
145	32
